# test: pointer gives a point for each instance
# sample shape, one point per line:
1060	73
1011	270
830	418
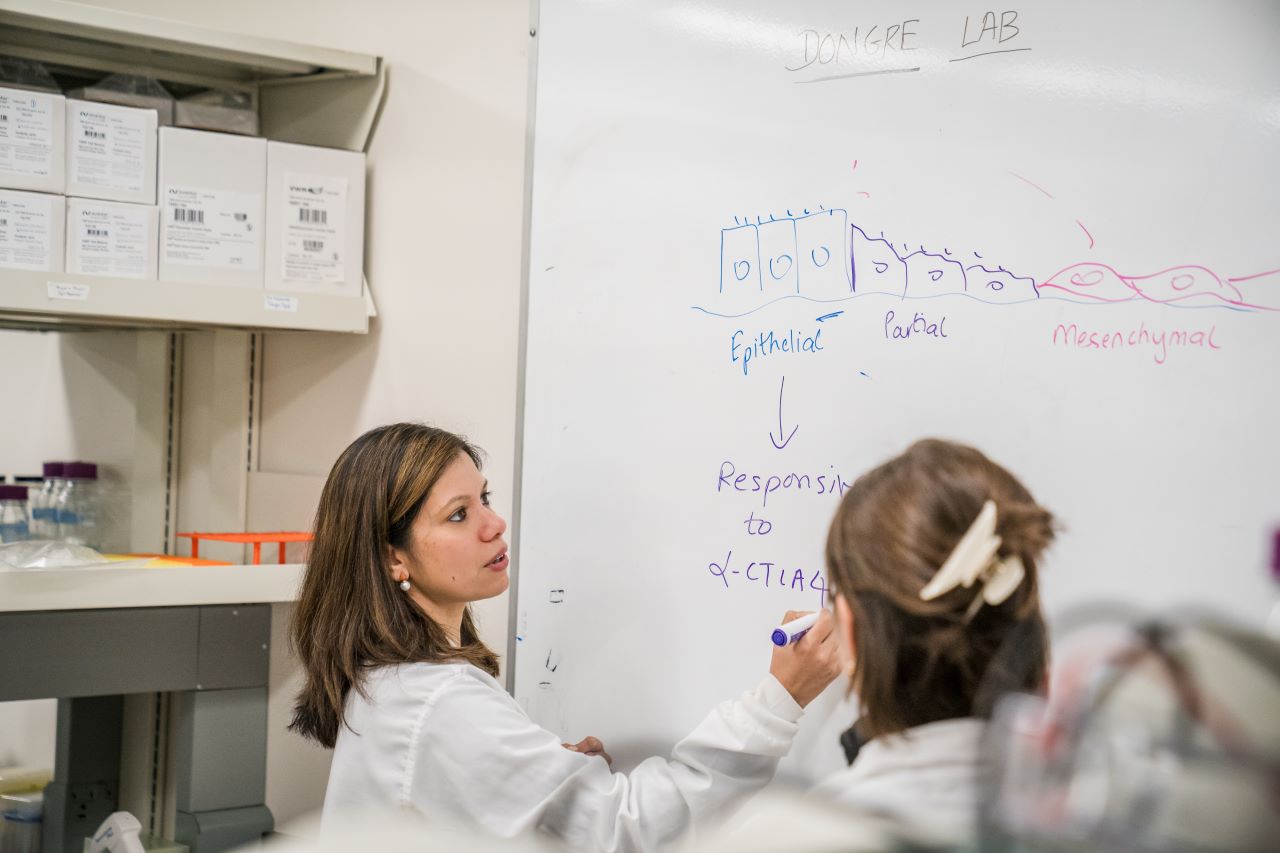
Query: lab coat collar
946	742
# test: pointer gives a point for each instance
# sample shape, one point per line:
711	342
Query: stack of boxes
98	189
111	190
32	178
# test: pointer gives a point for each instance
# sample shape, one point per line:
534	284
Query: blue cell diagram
819	255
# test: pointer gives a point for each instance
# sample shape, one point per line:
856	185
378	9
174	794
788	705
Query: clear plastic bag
25	74
130	90
218	109
45	555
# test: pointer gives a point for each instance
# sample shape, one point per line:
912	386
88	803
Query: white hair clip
974	559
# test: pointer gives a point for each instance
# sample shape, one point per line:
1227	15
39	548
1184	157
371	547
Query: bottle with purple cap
44	511
15	523
76	505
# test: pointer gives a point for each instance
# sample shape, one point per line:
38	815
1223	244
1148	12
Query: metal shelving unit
89	589
161	674
61	301
310	95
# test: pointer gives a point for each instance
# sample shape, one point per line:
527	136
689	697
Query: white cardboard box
32	230
315	219
32	141
111	152
212	207
112	238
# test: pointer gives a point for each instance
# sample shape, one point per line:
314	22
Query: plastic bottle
76	505
15	523
21	822
34	485
44	511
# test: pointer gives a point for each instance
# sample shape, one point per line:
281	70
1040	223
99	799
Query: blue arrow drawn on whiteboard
830	316
781	429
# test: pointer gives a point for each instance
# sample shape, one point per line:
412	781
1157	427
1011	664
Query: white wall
64	396
445	204
69	396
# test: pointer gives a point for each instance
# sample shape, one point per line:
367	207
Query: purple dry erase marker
789	632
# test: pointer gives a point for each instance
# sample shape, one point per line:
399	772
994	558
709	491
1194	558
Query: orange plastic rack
254	539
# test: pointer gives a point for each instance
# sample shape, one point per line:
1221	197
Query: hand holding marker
805	669
789	632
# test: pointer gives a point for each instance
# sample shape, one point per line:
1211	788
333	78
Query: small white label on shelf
315	235
212	228
276	302
108	147
26	133
68	291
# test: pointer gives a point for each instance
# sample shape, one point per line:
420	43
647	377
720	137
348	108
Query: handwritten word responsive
1159	341
826	483
743	350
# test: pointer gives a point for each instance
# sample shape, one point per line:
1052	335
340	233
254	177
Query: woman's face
456	553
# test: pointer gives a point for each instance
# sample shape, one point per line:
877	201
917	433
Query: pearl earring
404	584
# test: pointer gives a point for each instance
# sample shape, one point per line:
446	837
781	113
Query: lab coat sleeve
480	759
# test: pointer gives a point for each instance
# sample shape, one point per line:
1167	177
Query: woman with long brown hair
932	567
400	685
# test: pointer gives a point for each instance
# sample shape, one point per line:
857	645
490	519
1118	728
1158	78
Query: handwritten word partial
1113	339
827	483
764	344
919	326
768	573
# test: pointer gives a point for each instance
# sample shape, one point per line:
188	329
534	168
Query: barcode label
182	214
94	134
319	217
97	232
313	245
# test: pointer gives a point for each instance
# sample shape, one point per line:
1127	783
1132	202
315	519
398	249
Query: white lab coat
446	741
925	779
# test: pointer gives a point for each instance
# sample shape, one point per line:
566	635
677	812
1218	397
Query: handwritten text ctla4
768	573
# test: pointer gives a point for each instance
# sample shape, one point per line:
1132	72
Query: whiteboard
772	244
